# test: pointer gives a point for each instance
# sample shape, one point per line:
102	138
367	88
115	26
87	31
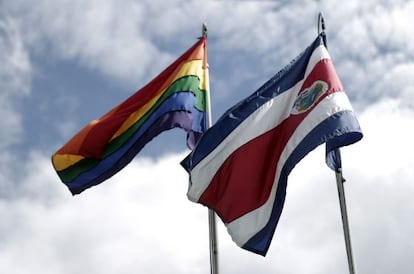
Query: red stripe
101	133
244	181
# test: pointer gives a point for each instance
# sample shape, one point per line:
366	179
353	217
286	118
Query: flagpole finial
321	23
204	30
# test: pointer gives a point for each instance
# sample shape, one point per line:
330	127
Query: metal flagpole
341	193
211	214
340	185
321	23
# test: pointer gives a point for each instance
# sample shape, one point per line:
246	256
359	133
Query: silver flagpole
211	214
341	193
340	185
321	23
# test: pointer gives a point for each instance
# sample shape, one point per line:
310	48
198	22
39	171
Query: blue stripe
348	132
180	102
339	129
281	82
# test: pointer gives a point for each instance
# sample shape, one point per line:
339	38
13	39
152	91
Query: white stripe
243	228
318	54
262	120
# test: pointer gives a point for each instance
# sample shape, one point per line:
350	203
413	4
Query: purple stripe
177	111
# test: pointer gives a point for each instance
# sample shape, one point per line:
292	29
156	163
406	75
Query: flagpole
340	185
211	215
341	194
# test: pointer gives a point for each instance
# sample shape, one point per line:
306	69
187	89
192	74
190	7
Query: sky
64	63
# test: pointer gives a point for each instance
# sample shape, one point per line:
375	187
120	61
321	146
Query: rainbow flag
175	98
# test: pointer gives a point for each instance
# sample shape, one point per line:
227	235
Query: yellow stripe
63	161
193	67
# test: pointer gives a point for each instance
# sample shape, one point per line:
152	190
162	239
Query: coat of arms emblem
309	96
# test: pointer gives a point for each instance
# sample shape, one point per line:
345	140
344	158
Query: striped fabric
241	164
175	98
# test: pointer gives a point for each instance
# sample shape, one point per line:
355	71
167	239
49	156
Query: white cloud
141	216
15	76
15	71
120	40
140	220
383	189
378	191
101	35
370	43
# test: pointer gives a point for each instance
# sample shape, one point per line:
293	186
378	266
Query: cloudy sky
64	63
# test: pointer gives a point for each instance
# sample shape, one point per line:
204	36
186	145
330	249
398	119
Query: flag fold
175	98
240	166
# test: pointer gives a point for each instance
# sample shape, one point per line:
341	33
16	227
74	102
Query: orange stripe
68	154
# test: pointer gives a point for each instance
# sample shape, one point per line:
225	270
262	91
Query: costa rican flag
240	166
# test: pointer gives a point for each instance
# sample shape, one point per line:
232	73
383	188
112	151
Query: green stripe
70	173
186	83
